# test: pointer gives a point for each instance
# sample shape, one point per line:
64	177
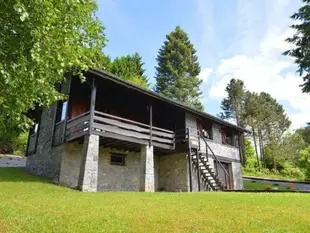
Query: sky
241	39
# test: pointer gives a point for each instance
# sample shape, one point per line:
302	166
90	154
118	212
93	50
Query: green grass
263	186
31	204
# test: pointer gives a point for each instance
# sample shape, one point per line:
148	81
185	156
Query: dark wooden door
222	175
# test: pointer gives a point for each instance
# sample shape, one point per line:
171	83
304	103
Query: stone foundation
118	177
88	176
173	174
147	173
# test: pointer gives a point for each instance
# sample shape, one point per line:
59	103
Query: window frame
119	155
202	127
234	137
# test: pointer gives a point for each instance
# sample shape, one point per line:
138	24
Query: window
117	159
34	129
61	106
229	137
61	111
205	128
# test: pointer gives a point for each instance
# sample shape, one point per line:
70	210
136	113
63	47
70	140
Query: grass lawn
31	204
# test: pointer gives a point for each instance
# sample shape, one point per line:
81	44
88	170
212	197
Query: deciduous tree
130	68
41	41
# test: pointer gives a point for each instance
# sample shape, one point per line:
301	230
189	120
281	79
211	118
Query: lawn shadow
20	174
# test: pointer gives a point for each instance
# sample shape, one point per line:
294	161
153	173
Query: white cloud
204	74
264	68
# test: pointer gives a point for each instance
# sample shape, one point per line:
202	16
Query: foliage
232	105
266	173
130	68
40	42
178	69
39	206
305	133
301	40
249	150
19	144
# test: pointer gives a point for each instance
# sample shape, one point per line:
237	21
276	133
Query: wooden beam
190	166
92	106
67	107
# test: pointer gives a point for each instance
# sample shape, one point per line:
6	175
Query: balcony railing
77	126
119	128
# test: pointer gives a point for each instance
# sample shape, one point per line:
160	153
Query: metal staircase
207	176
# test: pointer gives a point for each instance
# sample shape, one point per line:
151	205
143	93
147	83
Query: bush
251	163
19	144
293	172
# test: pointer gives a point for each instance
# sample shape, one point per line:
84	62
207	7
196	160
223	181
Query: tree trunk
255	145
242	149
261	148
274	164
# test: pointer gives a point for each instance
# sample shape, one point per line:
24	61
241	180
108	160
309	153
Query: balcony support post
92	106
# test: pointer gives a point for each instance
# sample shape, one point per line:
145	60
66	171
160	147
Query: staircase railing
226	173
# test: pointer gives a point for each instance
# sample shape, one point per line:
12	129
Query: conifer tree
178	69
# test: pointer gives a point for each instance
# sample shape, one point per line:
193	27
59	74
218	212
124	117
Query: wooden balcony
121	129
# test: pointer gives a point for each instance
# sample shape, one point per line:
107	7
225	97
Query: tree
178	69
40	42
305	133
249	150
130	68
250	112
233	104
301	40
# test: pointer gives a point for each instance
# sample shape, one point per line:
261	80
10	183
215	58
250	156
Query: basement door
221	173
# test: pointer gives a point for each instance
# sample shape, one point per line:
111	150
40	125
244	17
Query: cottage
111	135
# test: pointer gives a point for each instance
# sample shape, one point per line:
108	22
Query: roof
107	75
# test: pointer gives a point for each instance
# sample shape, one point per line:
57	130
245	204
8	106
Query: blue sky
234	38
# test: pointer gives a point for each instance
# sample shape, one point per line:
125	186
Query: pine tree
233	104
301	40
178	69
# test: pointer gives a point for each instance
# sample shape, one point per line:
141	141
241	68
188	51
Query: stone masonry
225	152
147	172
46	161
89	166
173	175
71	164
118	177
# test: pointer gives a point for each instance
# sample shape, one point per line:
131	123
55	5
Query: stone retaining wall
12	161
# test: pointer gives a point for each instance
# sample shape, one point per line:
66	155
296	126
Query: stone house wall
117	177
225	153
173	174
47	159
70	164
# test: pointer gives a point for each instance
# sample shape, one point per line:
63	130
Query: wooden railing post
67	107
189	161
92	106
198	161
